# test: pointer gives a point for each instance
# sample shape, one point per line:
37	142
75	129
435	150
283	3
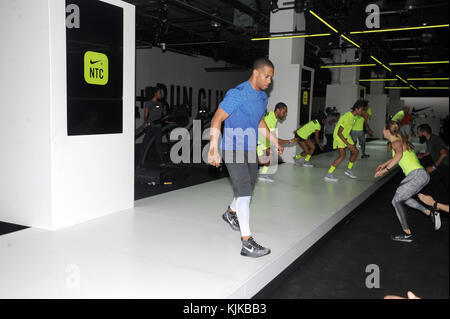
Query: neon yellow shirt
399	116
271	121
409	162
346	121
306	130
359	123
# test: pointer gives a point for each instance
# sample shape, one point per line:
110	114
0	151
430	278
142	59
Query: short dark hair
280	106
320	116
359	104
261	62
425	128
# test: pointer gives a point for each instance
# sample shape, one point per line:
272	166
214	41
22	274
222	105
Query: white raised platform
176	245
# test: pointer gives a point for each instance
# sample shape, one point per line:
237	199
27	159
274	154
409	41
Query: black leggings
152	136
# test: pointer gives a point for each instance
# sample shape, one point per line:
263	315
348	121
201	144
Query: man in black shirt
438	153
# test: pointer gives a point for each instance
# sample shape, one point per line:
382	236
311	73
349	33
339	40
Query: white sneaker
265	179
306	164
349	173
330	178
436	219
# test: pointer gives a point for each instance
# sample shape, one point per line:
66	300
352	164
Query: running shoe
251	249
265	179
349	173
298	161
306	164
330	178
403	238
365	156
232	220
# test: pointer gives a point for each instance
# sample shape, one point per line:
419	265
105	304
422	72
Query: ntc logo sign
95	68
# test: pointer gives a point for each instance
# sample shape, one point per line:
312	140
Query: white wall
343	97
49	180
25	189
440	105
154	66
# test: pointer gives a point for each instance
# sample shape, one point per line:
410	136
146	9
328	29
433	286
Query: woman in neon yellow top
343	140
303	138
416	178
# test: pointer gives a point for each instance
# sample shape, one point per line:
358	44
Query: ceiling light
293	37
402	29
346	66
416	63
323	21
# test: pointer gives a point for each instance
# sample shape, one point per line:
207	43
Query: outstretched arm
265	131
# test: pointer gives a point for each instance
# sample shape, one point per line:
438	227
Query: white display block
51	180
378	103
287	89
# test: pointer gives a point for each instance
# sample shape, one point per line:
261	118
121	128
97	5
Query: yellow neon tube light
381	63
346	66
349	40
375	80
323	21
433	88
428	79
412	63
293	36
401	79
402	29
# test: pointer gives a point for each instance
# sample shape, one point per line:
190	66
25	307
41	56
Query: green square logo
96	68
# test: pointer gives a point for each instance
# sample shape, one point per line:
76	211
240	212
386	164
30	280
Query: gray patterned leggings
409	187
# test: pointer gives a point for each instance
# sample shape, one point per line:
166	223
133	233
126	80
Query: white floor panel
176	245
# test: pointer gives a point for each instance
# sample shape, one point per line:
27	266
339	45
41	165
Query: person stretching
416	179
343	140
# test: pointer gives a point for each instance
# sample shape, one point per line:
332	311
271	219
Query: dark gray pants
410	186
243	169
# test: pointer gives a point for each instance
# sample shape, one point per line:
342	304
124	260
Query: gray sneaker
251	249
330	178
231	219
307	164
349	173
265	179
298	161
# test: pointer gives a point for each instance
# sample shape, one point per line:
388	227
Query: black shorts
300	138
243	170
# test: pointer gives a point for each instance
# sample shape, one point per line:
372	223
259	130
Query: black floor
6	228
336	266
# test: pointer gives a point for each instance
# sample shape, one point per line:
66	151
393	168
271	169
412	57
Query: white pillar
344	94
288	57
48	179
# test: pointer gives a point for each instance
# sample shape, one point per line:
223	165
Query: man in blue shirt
242	110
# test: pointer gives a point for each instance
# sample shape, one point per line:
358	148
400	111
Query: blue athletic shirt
246	107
